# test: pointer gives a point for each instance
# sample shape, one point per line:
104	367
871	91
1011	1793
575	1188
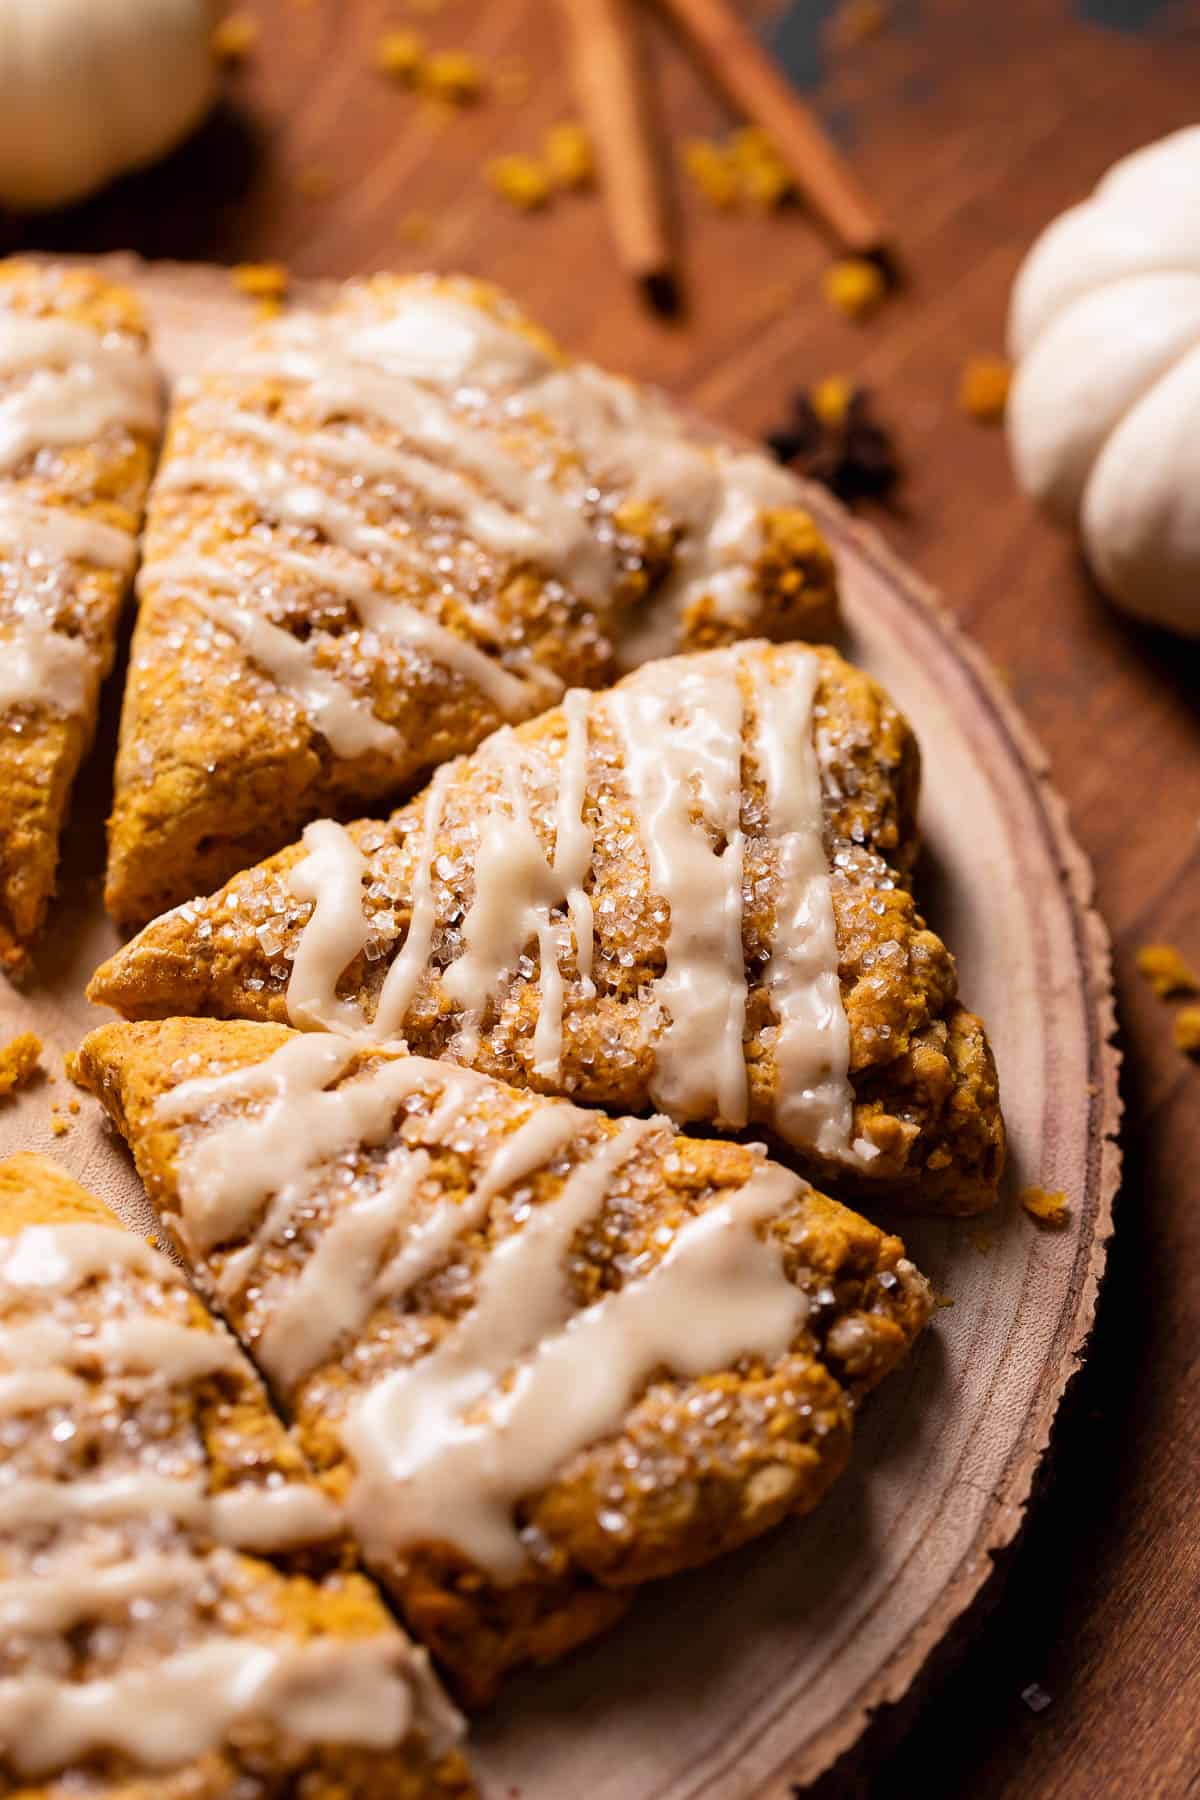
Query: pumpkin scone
539	1355
180	1615
690	892
382	531
79	422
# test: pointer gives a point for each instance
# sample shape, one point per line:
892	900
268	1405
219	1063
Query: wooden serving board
753	1675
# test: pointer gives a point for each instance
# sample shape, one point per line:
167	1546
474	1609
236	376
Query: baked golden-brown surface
925	1103
78	474
120	1612
677	1468
448	521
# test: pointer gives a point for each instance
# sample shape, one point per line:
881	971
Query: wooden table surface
973	124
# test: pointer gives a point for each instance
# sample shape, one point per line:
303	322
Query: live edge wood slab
762	1671
971	126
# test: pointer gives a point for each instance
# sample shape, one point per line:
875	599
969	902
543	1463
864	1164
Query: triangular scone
690	892
378	533
179	1616
79	421
540	1355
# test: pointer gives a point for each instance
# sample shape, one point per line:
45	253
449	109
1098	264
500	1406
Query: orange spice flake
983	388
262	281
519	179
399	55
1049	1209
1166	971
855	287
235	37
567	153
452	76
1187	1030
19	1061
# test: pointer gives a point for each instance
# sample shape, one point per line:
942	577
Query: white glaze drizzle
56	1259
400	983
815	1102
40	666
680	725
176	1353
65	1594
442	1451
328	1691
56	534
78	386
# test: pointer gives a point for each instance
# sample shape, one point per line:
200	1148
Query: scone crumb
60	1126
234	37
983	1241
712	171
942	1301
520	180
262	281
452	76
568	155
831	399
1187	1030
1046	1208
399	55
19	1061
983	388
1166	971
855	287
764	179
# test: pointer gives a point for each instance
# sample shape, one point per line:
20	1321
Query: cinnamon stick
609	74
732	58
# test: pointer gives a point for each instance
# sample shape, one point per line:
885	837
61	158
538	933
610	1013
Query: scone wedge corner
541	1356
690	892
80	412
182	1616
381	531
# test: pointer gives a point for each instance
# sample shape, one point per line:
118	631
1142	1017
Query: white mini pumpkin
90	88
1104	413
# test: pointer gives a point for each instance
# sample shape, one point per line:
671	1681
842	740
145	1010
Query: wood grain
971	125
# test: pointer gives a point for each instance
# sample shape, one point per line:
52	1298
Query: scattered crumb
855	287
983	1241
511	83
266	310
73	1106
415	228
519	179
833	437
1166	971
764	179
60	1126
983	388
399	55
315	183
262	281
567	151
855	21
19	1061
830	399
453	76
712	171
942	1301
745	169
235	37
1047	1208
1036	1698
1187	1030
